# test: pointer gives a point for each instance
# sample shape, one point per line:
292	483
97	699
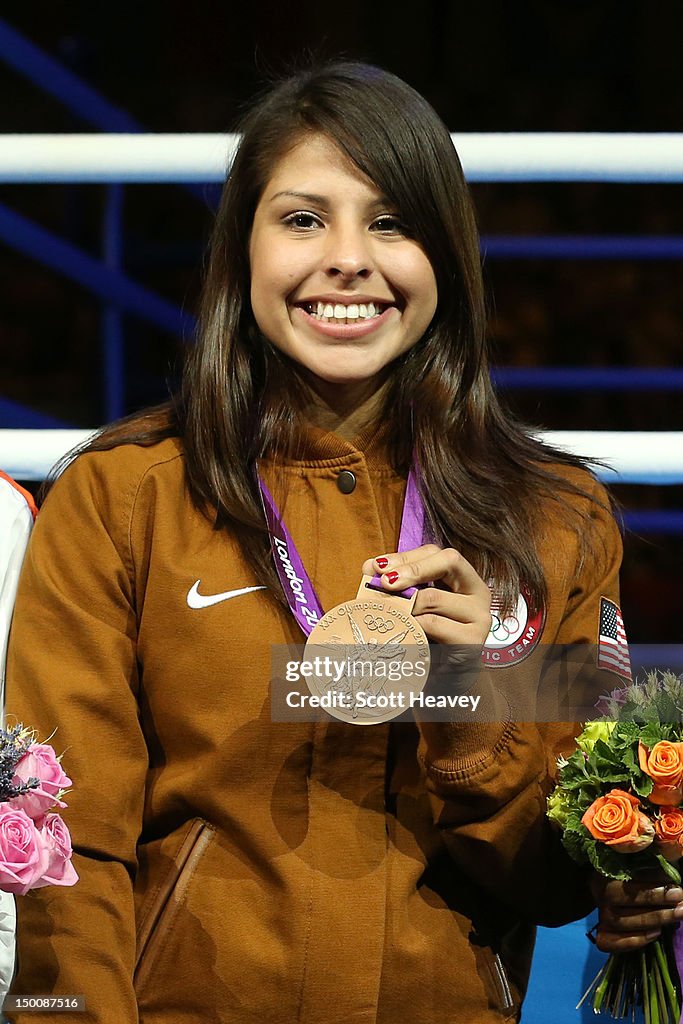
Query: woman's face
335	282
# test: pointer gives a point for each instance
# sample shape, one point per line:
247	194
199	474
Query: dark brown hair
485	476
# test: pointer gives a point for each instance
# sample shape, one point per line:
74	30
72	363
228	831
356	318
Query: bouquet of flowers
619	805
35	845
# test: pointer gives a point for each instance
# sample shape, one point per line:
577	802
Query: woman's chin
353	388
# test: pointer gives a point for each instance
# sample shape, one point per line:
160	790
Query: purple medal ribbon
296	584
678	953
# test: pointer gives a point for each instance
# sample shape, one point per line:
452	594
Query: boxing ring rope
638	158
630	457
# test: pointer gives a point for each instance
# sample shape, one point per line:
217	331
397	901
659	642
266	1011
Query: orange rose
664	765
617	821
669	834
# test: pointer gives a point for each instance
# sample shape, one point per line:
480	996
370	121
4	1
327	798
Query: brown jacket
239	870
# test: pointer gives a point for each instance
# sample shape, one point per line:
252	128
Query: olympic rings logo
502	629
378	623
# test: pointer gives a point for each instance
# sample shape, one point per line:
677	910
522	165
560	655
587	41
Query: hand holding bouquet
619	804
35	845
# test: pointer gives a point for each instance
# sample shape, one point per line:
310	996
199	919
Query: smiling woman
338	285
336	423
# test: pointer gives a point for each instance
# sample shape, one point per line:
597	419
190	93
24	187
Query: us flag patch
612	646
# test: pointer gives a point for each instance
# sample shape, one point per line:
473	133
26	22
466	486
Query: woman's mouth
338	313
345	322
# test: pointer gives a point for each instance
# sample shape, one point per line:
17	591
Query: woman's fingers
633	913
422	565
457	612
437	610
640	894
617	942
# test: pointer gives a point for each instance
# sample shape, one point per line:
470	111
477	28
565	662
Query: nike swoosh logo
197	600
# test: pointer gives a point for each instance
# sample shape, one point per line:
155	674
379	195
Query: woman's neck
345	410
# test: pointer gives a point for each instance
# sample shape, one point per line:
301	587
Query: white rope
632	457
529	156
643	457
29	454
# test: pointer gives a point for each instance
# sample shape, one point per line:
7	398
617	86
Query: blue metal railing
588	378
582	247
105	279
108	284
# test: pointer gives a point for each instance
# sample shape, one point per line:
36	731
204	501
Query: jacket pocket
162	903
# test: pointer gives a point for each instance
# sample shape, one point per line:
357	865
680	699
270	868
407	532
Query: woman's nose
348	254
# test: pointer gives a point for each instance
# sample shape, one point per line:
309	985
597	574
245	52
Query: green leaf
574	823
652	733
575	844
626	732
642	784
607	862
602	751
669	869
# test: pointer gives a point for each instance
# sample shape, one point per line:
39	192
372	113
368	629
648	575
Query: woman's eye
389	224
302	221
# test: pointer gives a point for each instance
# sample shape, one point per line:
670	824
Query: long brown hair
485	476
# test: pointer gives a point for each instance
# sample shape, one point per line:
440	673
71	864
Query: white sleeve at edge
15	526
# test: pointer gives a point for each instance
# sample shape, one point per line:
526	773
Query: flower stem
601	990
646	997
672	995
652	996
592	985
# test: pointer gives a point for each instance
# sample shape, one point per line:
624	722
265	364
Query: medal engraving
371	656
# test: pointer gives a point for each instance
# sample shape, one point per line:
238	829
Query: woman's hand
458	612
634	913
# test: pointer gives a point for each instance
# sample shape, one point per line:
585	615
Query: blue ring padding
662	521
610	477
582	247
588	378
664	477
650	656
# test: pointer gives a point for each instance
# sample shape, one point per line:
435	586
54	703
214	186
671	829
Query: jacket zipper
508	1003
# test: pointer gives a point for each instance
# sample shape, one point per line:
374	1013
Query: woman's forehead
315	161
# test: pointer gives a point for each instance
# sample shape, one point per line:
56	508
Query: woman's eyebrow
309	197
312	197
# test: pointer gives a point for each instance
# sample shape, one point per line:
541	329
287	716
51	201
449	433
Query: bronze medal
371	657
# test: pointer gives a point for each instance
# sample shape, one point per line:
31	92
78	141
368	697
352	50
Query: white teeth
343	314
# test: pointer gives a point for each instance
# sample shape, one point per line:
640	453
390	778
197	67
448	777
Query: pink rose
40	762
23	854
57	841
